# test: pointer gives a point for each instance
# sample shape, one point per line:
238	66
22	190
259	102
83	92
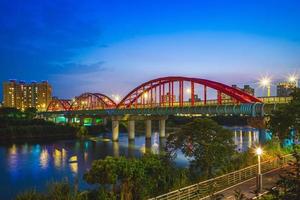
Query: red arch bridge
158	98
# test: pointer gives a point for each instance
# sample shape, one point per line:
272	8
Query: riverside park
149	100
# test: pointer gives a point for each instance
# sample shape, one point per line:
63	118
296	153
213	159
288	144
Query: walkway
248	187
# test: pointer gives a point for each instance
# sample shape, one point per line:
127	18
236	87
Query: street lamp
259	152
188	90
293	79
266	82
116	98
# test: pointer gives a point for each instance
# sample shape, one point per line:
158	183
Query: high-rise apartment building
21	95
285	89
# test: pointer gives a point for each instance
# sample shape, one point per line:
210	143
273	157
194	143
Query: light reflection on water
33	165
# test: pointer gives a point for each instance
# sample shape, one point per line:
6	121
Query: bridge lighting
265	82
188	91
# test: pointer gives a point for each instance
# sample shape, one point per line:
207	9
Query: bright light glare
265	82
292	78
145	95
188	90
116	97
259	151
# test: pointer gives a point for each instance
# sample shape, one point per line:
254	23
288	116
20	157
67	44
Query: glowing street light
259	152
293	78
265	82
145	95
116	97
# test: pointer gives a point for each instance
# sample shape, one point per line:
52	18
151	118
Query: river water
32	165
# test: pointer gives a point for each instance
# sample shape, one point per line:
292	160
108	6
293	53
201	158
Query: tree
288	186
30	112
133	178
208	146
286	118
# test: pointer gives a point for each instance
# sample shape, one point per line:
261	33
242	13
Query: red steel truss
58	105
92	101
161	92
169	91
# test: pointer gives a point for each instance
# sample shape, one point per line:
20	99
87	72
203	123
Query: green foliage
288	187
134	178
30	195
55	191
15	124
82	132
208	145
10	113
286	118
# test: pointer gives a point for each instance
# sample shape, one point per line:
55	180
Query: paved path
248	187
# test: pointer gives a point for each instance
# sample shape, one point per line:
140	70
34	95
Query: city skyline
78	47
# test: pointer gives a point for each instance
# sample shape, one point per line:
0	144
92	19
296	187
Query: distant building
196	98
285	89
246	89
23	95
168	98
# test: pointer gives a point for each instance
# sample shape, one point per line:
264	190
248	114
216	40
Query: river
34	164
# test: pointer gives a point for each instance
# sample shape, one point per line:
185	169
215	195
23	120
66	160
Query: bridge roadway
148	114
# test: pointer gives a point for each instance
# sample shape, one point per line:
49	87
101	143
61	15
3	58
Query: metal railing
205	188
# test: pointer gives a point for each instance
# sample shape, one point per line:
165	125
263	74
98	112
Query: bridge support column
104	121
131	129
148	128
115	130
162	128
249	139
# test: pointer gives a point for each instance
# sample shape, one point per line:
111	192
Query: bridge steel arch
160	92
92	101
59	105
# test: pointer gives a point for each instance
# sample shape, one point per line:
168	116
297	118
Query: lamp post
266	83
293	79
259	175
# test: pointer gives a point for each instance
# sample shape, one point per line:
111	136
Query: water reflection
245	138
44	159
33	165
116	149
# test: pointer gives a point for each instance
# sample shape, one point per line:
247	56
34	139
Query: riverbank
37	132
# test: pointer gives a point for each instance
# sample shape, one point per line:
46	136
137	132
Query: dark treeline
18	125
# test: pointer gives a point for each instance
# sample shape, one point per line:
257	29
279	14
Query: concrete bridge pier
104	121
131	129
162	128
115	129
148	129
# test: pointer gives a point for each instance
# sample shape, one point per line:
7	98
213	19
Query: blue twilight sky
111	46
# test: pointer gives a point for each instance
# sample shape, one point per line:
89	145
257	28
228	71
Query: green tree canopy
133	178
286	118
208	145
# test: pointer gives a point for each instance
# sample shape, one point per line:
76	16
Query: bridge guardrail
203	189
